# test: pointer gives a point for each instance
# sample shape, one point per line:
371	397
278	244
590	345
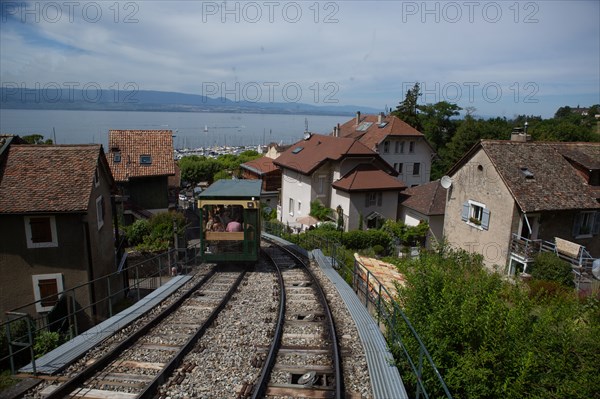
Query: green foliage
407	109
378	249
36	139
491	339
195	169
406	235
136	232
359	239
222	175
269	216
45	341
155	234
318	210
7	380
548	266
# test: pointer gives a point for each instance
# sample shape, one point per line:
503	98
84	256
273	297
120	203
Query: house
57	228
264	169
274	150
398	143
141	162
510	200
426	202
337	171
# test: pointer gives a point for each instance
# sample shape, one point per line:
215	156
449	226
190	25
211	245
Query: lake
191	129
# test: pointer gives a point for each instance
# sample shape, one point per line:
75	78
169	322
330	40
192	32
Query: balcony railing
576	255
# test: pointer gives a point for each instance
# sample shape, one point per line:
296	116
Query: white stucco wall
422	154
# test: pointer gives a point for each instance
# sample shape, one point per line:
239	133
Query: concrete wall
298	187
478	180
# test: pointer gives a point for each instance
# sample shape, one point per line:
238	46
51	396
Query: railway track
304	360
137	366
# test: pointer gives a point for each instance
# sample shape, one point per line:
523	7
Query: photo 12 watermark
472	92
70	11
270	11
453	12
271	92
69	92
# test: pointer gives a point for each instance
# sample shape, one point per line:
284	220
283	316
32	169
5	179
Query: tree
438	127
407	110
36	139
319	211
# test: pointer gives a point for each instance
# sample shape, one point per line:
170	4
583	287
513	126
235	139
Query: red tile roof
555	183
260	166
428	199
48	178
132	144
367	178
370	134
306	156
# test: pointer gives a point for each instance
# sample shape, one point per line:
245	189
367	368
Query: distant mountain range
94	99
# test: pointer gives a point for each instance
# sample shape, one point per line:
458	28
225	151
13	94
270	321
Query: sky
503	58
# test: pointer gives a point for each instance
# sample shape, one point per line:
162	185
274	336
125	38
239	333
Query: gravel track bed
223	359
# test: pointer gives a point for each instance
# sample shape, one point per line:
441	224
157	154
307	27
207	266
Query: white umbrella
307	220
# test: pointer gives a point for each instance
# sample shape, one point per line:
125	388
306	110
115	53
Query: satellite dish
306	135
446	182
596	269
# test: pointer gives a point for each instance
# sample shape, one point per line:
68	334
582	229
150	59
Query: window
416	168
117	157
297	150
373	199
386	147
146	159
411	147
397	147
402	147
291	207
586	224
100	211
398	167
299	206
40	231
46	290
476	214
321	185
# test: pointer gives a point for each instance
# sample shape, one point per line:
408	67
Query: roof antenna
305	125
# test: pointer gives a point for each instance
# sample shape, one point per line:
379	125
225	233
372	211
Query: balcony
525	250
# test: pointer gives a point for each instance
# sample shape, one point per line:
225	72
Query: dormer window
116	157
145	159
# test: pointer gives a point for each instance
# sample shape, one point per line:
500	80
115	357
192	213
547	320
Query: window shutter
48	292
485	219
577	224
465	212
596	227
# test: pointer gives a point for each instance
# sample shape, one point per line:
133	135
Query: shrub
548	266
136	232
44	342
359	239
378	249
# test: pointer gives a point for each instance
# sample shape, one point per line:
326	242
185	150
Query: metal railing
409	351
75	313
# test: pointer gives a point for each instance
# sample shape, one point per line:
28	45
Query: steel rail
337	360
68	386
263	379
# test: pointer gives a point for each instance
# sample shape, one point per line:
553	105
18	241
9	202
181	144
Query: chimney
519	134
338	130
380	118
335	131
357	118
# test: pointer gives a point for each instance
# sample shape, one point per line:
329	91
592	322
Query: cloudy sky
503	58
